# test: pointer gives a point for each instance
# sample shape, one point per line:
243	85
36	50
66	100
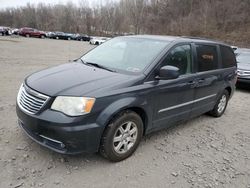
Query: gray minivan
123	89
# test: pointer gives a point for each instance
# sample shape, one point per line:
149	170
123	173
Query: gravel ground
203	152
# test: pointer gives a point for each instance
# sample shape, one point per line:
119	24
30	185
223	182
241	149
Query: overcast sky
17	3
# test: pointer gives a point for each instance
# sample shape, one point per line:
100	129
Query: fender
117	106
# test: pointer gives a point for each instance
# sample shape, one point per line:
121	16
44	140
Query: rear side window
207	57
227	57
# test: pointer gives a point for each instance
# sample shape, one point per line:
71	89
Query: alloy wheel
222	103
125	137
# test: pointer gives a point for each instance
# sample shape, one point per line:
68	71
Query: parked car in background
243	62
4	31
15	31
31	32
98	40
50	34
82	37
123	89
62	35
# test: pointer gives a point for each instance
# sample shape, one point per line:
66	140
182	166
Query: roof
177	38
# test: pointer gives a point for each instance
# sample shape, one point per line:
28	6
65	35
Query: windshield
124	53
243	58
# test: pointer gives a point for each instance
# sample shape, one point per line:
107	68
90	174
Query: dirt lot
203	152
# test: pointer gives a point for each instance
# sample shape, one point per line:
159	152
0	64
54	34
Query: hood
77	79
243	66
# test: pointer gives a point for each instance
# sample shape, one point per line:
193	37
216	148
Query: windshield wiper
97	65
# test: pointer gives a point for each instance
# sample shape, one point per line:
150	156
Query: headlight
73	106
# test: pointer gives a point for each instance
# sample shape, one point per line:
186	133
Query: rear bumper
66	136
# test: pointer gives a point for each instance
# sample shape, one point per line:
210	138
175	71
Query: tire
57	38
69	38
220	105
127	128
81	40
96	43
42	37
27	35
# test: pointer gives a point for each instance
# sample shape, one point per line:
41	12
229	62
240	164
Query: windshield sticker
133	69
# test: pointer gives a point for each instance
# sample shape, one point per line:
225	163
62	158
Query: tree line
227	20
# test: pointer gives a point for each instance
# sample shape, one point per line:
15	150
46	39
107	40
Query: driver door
174	98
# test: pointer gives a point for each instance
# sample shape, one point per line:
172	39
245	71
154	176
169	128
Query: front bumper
245	80
61	133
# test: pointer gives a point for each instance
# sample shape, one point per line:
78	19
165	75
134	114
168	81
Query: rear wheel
220	105
122	136
27	35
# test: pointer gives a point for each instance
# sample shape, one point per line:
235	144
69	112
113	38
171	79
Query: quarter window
180	57
207	57
228	57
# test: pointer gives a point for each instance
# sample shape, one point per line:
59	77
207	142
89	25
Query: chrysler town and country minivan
123	89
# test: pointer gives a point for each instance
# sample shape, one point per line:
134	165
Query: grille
30	101
243	72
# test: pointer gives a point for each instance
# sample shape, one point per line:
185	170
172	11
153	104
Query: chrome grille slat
29	105
29	96
24	106
27	108
30	101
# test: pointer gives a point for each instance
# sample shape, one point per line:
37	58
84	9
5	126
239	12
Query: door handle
201	81
192	83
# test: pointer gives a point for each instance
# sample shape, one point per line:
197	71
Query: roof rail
201	38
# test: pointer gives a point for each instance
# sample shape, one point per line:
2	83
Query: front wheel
122	136
220	105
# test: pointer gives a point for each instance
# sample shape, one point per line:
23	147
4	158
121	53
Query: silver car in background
243	63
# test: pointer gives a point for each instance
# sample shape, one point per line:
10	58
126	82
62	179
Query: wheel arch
138	110
123	105
229	89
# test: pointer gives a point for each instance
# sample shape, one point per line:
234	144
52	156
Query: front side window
207	58
181	58
126	53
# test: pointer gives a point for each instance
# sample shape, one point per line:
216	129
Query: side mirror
168	72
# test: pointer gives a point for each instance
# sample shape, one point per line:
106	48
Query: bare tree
221	19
